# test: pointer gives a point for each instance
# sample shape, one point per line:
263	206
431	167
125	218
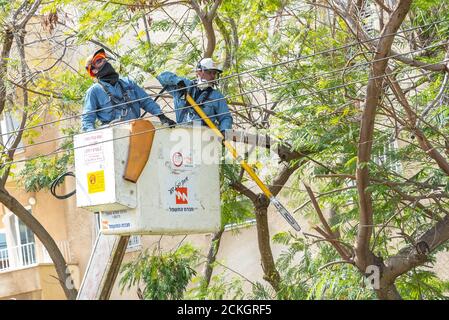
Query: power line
317	53
325	51
314	54
161	128
296	96
228	96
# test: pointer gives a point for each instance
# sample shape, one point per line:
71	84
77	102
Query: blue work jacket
98	100
214	105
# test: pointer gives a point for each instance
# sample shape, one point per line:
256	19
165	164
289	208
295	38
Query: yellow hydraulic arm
281	209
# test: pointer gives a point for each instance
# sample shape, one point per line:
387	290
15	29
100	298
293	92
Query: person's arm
90	105
170	81
146	102
149	105
224	116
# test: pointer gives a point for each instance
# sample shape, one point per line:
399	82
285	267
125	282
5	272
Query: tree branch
374	91
328	233
239	187
29	14
383	6
415	255
423	142
440	67
282	177
55	254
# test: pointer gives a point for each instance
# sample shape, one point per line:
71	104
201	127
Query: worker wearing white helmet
203	91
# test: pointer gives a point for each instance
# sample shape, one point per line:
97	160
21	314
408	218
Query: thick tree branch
423	142
282	177
271	275
213	10
8	38
239	187
211	258
55	254
20	38
207	21
374	91
415	255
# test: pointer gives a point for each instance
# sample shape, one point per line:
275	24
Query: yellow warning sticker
95	181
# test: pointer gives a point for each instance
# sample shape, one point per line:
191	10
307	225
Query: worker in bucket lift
113	98
203	91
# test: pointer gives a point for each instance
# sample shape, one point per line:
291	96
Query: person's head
95	62
207	69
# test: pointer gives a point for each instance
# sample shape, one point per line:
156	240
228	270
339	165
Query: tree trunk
373	94
60	264
211	257
211	39
8	38
263	236
389	292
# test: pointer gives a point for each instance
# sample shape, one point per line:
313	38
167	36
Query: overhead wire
60	150
295	59
318	53
355	66
296	96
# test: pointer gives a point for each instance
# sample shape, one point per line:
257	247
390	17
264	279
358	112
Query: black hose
56	182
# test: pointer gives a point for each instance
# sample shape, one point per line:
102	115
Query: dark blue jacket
97	99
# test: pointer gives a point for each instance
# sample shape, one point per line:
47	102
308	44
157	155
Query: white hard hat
207	64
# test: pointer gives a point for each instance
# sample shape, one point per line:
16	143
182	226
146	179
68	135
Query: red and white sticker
177	159
182	195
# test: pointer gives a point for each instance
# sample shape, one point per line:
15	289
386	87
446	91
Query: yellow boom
281	209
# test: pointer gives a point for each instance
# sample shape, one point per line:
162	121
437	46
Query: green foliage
220	288
38	174
318	109
164	275
421	284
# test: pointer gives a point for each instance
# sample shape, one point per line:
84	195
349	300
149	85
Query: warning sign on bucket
95	181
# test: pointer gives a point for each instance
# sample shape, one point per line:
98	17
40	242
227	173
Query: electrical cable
59	180
228	96
219	99
161	128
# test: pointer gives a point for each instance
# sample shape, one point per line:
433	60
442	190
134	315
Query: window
2	239
4	262
367	18
20	242
9	123
386	158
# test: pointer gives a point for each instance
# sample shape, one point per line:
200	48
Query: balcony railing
29	254
18	257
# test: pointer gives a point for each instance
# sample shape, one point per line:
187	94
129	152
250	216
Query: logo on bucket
181	195
177	159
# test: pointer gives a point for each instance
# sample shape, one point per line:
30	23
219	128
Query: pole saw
280	208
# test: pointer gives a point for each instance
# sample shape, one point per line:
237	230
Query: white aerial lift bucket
177	192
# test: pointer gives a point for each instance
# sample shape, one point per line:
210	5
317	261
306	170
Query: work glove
166	120
181	85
